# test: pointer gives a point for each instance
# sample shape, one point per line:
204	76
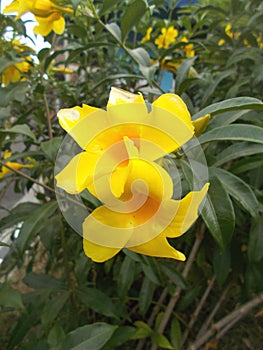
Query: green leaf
119	337
146	295
152	270
10	297
218	213
93	336
174	275
143	330
237	150
20	129
132	16
238	189
13	92
182	73
50	147
97	301
56	335
255	243
176	334
114	30
161	341
33	224
226	118
107	5
3	244
126	276
230	104
5	63
221	264
43	281
75	4
53	307
247	164
235	132
141	56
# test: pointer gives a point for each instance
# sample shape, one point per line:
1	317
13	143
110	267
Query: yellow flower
188	49
229	32
167	37
47	13
62	70
15	72
117	166
4	171
147	36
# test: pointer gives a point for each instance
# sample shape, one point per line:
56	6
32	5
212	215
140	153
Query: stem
48	116
29	178
198	309
175	297
227	322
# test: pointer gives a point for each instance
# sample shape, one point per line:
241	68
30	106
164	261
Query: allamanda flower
47	13
5	171
167	37
147	36
120	146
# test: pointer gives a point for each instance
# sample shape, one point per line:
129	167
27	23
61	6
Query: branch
227	322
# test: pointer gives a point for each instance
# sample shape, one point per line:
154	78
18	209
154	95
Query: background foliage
52	296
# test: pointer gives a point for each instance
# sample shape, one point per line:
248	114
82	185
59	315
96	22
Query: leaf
221	264
114	30
182	73
226	118
107	5
255	243
50	147
13	92
176	334
239	132
93	336
3	244
20	129
152	270
126	276
56	335
247	164
161	341
238	150
43	281
97	301
53	307
143	330
238	189
141	56
145	296
230	104
119	337
174	275
75	4
132	16
10	297
218	213
34	223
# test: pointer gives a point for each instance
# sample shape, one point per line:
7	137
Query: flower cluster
47	14
118	166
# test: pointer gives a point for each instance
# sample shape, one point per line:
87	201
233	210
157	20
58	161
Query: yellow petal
59	26
118	96
187	212
158	247
44	27
98	253
200	124
13	7
128	113
74	178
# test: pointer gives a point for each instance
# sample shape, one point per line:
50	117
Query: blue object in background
167	81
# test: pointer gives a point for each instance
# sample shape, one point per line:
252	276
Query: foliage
52	296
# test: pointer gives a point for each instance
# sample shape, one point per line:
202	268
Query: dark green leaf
20	129
161	341
42	281
50	148
145	296
132	16
119	337
218	213
126	276
182	73
13	92
10	296
56	335
93	336
255	243
107	5
34	223
152	270
115	30
3	244
141	56
53	307
176	334
97	301
230	104
143	330
238	189
174	275
222	264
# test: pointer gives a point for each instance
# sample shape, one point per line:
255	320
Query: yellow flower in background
117	166
229	32
147	36
188	49
15	72
5	171
47	13
167	37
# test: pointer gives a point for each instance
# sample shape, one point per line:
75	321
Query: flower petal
59	25
98	253
200	124
118	96
78	173
187	212
158	247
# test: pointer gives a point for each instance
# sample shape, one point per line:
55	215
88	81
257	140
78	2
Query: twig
198	309
175	297
230	319
213	312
